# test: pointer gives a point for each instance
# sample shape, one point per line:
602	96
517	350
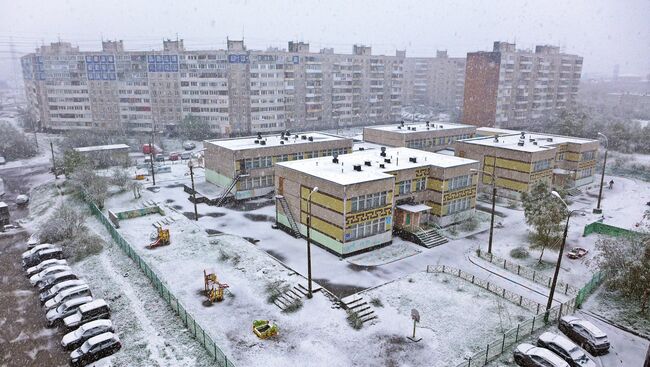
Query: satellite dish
415	315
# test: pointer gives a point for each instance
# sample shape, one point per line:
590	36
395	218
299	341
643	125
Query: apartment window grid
369	201
404	187
256	182
460	182
458	205
542	165
258	162
587	172
588	156
421	184
366	229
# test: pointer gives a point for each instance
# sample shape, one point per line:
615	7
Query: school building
363	196
429	136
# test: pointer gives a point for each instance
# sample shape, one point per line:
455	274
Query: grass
294	306
275	289
376	302
519	253
354	320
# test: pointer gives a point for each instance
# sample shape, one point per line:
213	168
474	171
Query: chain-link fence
496	347
188	320
585	291
528	273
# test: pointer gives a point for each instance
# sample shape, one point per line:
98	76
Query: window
458	205
421	184
560	156
258	162
404	187
367	202
541	165
366	229
588	156
459	182
250	183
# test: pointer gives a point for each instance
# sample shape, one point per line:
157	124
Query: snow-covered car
68	294
56	289
565	349
57	279
188	145
37	248
173	156
186	155
33	241
160	158
585	334
56	315
74	339
44	265
95	348
2	160
576	253
95	310
528	355
42	255
47	273
22	199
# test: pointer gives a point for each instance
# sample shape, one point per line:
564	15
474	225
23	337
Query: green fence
606	229
188	320
585	291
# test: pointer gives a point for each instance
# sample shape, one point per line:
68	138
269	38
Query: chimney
383	151
262	142
311	138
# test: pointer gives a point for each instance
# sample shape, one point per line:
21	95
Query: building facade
520	160
509	88
362	196
429	136
248	163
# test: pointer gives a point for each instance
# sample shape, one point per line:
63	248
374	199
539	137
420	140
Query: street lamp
309	292
559	257
494	198
190	164
598	210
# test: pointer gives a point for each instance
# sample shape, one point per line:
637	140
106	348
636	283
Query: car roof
71	282
558	340
49	251
102	337
62	274
76	288
525	347
55	267
97	323
77	301
591	328
92	305
549	356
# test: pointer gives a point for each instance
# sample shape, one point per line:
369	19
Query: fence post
504	263
472	279
503	343
537	309
559	315
521	298
517	333
534	275
532	328
518	269
487	353
488	286
469	362
566	288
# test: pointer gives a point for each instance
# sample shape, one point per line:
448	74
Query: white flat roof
512	141
98	148
343	172
274	140
414	208
419	127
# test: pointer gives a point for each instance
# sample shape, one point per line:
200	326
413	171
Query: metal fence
585	291
528	273
188	320
496	347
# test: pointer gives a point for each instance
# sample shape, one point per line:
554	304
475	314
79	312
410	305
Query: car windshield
576	353
61	308
86	347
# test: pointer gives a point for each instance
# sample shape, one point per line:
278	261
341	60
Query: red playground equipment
161	240
213	288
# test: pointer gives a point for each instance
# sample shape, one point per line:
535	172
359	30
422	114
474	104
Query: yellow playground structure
264	329
213	287
161	240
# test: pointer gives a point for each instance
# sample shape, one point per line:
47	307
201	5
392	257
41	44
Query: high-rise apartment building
237	91
511	88
436	82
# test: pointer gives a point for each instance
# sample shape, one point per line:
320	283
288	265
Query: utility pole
309	291
153	174
598	209
56	175
196	213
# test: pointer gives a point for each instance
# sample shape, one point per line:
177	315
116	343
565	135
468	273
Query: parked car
528	355
186	155
95	348
74	292
35	249
22	199
47	273
55	315
565	349
188	145
95	310
33	241
74	339
576	253
44	265
57	279
147	159
40	256
585	334
160	158
174	156
2	160
57	288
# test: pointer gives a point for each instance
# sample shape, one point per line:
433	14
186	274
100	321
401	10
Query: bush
275	289
513	204
82	246
63	224
519	253
375	301
469	224
354	320
294	306
14	144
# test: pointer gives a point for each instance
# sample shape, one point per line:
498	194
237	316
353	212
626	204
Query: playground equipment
264	329
213	287
161	240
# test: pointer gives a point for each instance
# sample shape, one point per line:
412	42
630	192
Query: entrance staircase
357	304
573	192
291	296
295	230
431	237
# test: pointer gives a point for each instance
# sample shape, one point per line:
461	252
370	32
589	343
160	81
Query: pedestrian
611	184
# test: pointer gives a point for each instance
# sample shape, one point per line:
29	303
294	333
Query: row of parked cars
554	350
68	303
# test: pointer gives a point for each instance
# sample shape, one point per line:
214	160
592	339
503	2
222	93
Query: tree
120	178
194	128
14	144
545	215
626	260
90	186
73	160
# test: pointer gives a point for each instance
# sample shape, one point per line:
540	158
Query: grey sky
604	32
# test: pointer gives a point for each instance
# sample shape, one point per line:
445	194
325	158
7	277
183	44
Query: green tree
14	144
72	161
194	128
545	214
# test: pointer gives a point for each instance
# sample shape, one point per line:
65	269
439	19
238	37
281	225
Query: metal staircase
292	222
290	297
430	237
225	194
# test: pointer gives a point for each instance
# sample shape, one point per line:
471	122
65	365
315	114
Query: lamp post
598	210
309	292
561	252
494	197
191	165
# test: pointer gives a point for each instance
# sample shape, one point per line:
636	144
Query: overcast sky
604	32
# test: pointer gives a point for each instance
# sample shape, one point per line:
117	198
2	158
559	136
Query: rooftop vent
303	137
311	138
534	143
367	163
522	139
428	128
259	136
383	152
262	142
295	136
413	128
381	165
286	138
362	148
549	139
357	167
496	138
531	140
413	160
399	127
282	142
402	123
386	160
256	141
427	123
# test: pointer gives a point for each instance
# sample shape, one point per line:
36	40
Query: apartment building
510	88
236	90
521	159
429	136
245	166
364	195
434	81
